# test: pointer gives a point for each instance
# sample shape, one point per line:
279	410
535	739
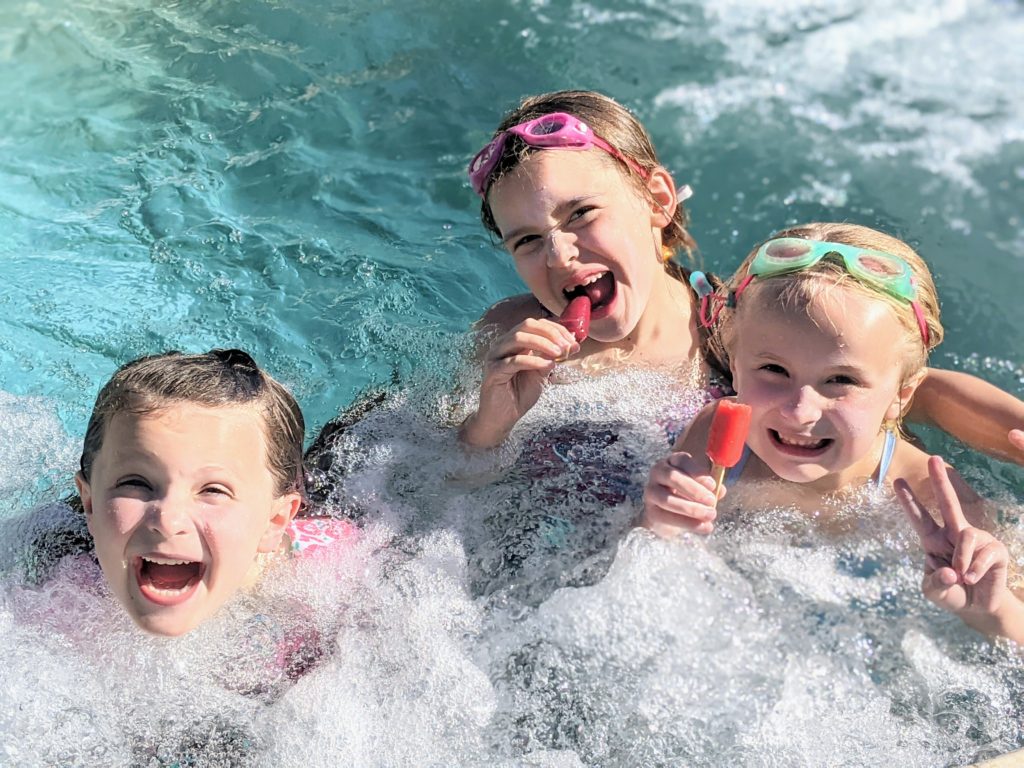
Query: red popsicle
728	434
576	317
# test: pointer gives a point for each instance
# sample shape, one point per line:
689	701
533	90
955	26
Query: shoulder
509	312
695	438
911	463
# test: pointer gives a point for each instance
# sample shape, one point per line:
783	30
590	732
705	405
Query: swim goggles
886	272
557	130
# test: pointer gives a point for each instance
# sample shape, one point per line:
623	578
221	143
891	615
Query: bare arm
973	411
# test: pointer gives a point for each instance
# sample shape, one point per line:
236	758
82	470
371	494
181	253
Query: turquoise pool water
288	177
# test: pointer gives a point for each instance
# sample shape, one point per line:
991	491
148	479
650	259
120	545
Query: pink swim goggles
557	130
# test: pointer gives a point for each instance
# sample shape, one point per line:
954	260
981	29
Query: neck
667	331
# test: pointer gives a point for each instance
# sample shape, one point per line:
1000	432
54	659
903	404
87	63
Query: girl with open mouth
827	329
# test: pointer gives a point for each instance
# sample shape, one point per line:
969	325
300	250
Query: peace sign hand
966	567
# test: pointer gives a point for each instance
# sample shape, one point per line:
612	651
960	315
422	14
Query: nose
167	516
561	247
804	406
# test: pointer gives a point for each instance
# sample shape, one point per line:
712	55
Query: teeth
801	442
166	561
592	279
167	592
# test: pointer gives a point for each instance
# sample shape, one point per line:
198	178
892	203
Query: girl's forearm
972	410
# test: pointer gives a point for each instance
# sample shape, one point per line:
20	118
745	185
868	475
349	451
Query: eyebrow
558	213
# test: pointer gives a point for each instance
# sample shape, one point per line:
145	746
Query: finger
943	578
670	502
525	343
918	516
550	329
1016	438
667	525
963	552
945	495
942	589
992	556
672	472
508	367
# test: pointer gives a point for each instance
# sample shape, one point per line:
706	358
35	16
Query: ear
282	513
84	493
901	403
663	190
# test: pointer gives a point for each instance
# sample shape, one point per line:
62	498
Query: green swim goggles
886	272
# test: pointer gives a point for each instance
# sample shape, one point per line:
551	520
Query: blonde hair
798	290
609	120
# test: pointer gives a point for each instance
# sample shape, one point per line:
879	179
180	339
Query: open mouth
599	288
794	445
167	581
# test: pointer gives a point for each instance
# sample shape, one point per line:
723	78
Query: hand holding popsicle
727	437
680	495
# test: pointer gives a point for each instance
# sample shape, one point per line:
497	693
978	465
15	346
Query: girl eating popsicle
827	329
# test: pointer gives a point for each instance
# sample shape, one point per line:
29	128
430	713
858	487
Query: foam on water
495	610
196	175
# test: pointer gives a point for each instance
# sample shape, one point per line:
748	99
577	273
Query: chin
807	473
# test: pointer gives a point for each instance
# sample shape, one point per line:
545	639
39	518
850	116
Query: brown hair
798	289
610	121
218	378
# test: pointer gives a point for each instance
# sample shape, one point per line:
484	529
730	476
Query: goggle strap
740	289
922	324
602	144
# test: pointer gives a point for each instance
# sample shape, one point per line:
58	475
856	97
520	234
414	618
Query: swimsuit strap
734	472
888	449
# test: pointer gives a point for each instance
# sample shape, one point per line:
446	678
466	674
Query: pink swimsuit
312	534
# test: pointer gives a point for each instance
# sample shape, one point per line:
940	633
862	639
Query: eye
525	243
581	214
843	380
216	489
133	481
774	368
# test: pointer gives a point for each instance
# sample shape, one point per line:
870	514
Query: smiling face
820	382
574	224
179	503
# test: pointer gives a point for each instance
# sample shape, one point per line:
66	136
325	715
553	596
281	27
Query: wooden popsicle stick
717	472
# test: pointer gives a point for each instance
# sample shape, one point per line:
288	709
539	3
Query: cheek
117	518
862	419
234	537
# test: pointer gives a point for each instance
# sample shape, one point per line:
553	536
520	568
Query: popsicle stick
718	472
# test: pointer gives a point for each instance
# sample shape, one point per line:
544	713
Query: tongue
599	291
170	576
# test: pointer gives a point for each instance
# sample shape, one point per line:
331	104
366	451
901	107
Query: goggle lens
879	266
783	251
546	126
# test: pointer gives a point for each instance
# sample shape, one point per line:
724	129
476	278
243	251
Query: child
190	472
572	186
827	329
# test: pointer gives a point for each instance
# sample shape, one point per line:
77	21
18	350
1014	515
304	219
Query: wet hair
797	291
218	378
609	120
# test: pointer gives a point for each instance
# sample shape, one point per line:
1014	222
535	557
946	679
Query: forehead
236	431
549	176
834	322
